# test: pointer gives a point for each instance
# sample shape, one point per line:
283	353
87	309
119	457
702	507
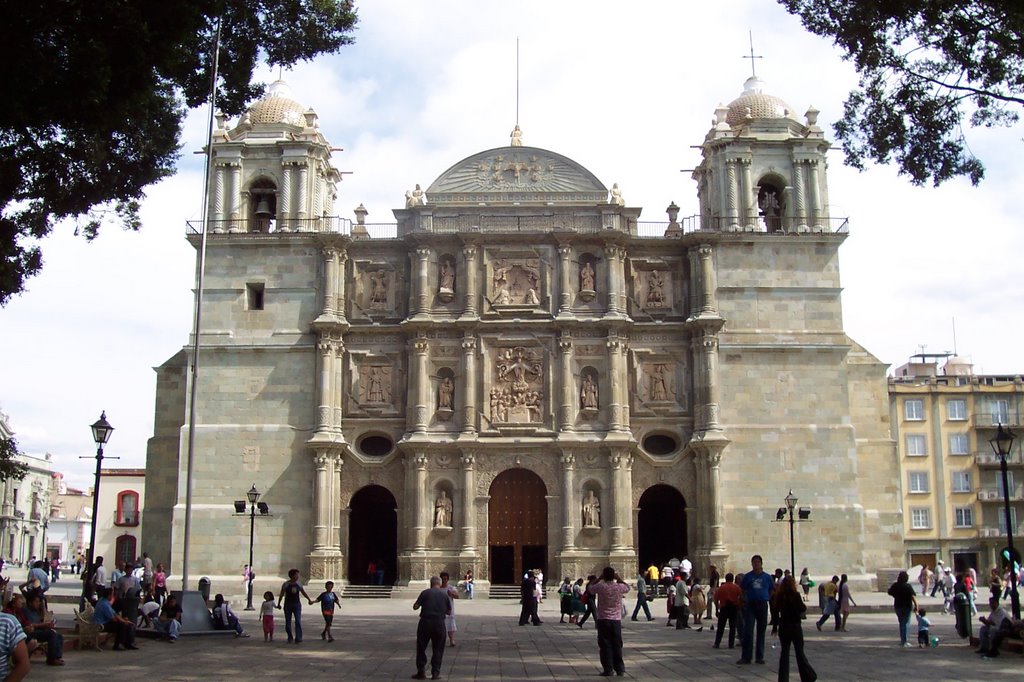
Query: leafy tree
9	467
97	91
925	66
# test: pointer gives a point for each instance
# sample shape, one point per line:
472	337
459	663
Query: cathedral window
254	296
376	445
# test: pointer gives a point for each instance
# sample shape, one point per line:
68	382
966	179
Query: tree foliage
10	468
926	67
97	91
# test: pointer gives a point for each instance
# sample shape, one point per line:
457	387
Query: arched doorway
517	526
661	526
372	535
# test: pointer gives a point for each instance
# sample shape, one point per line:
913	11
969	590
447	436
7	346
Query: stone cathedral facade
520	373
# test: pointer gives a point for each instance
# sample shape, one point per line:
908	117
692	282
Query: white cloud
624	90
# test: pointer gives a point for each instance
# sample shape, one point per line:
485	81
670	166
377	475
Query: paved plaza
374	641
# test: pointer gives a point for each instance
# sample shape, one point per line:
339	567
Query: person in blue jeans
903	603
290	592
757	592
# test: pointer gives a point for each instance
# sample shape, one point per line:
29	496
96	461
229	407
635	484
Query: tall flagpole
200	271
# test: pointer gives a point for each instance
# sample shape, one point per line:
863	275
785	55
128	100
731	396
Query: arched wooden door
373	536
661	526
517	526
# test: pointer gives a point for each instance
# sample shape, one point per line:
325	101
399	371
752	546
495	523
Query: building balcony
127	518
989	459
998	532
990	420
996	495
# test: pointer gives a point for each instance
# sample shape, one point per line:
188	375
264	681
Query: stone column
618	408
303	193
707	281
421	523
330	280
338	514
469	404
621	463
565	295
469	279
284	198
746	193
567	406
339	286
339	383
709	358
326	347
568	501
421	348
731	194
468	500
235	195
321	521
614	256
218	199
714	498
800	192
422	281
815	194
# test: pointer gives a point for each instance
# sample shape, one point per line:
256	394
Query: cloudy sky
627	93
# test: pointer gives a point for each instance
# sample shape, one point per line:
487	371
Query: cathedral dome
755	102
277	106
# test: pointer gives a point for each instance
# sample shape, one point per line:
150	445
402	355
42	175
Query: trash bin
204	588
962	609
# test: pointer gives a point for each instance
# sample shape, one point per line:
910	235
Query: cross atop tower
752	56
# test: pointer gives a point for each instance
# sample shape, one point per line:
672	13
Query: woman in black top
790	607
903	603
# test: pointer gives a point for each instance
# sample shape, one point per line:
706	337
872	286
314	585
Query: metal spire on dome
752	56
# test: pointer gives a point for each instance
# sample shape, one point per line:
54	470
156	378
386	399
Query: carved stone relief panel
376	383
653	285
516	282
376	288
517	385
660	382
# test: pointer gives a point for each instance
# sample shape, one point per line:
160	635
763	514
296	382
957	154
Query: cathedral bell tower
272	172
762	169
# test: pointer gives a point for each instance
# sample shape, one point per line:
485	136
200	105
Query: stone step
367	592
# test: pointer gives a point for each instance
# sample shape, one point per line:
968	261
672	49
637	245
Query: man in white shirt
990	626
686	566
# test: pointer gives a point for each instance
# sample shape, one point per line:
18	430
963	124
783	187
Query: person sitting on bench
224	618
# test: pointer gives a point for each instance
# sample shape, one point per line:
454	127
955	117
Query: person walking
714	580
831	604
290	592
903	603
449	619
588	602
329	600
641	599
727	599
565	600
789	604
757	591
698	603
845	601
805	582
434	605
609	592
940	572
528	598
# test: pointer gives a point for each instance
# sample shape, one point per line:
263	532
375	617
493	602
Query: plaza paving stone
375	641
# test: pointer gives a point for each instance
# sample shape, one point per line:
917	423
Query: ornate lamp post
803	514
101	431
1002	443
253	496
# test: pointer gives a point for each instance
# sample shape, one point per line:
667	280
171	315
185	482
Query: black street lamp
803	514
101	431
253	496
1002	443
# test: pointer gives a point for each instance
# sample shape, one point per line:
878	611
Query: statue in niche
587	277
446	394
378	289
531	297
588	392
657	383
443	511
447	276
655	288
516	396
377	385
591	510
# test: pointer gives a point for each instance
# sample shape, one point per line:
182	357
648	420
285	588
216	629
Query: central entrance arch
372	535
517	526
661	526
